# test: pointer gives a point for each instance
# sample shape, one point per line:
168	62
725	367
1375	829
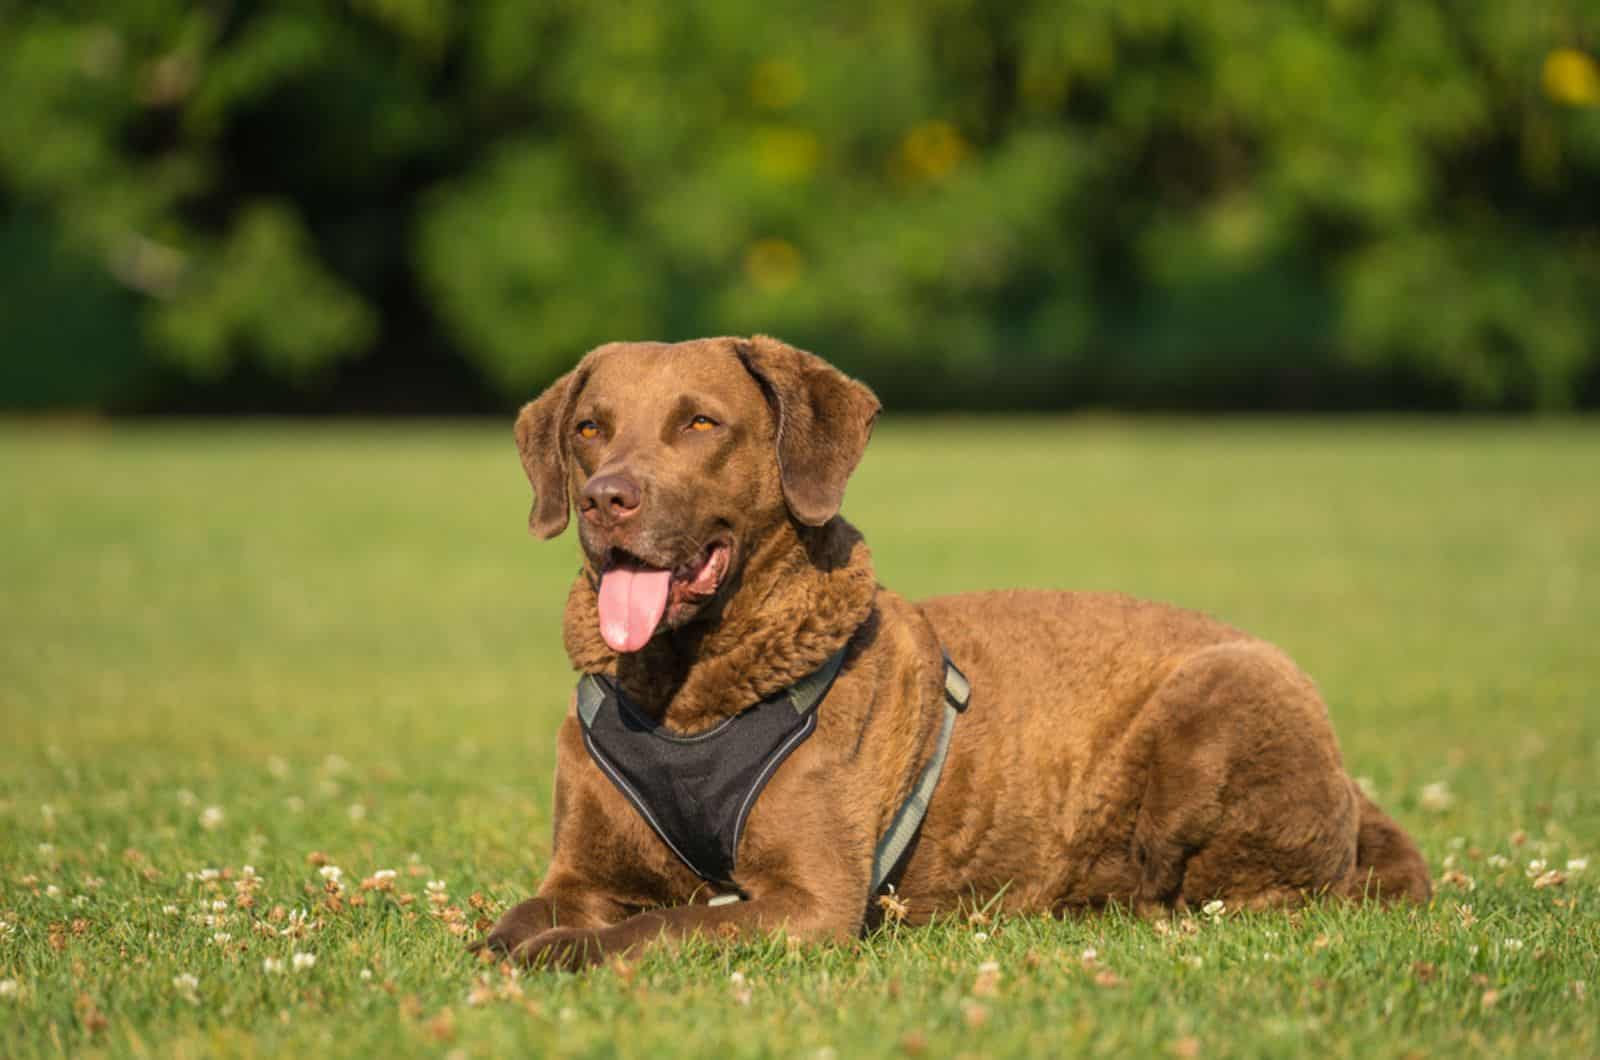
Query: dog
765	739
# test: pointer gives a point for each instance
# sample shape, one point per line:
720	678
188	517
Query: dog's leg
786	909
557	905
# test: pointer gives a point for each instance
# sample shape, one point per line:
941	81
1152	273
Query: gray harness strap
957	691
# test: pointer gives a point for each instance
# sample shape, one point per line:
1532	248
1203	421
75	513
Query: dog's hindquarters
1388	864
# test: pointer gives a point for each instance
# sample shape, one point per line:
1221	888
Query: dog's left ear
824	421
542	442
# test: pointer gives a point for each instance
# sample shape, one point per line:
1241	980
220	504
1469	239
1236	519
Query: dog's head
680	458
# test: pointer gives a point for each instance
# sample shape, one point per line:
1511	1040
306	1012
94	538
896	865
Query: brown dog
1114	751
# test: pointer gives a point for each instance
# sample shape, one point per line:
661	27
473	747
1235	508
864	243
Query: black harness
695	792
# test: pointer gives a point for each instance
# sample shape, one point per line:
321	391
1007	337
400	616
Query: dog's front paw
561	949
521	922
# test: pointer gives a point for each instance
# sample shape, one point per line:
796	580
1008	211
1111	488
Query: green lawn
272	645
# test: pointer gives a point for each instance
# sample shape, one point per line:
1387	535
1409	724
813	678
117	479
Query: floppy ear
824	421
542	442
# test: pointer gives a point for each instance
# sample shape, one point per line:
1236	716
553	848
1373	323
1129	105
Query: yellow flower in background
1571	77
786	154
773	264
932	149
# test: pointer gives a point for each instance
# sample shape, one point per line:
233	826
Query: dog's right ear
542	441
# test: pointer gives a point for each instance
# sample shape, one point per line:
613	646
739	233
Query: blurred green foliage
967	203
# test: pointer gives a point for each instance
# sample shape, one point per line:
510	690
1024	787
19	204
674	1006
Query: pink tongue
631	604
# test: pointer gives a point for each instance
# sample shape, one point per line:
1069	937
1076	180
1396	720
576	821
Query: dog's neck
800	595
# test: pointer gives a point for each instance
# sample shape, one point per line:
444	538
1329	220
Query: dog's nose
611	497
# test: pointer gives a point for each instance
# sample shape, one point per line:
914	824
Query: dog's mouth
635	597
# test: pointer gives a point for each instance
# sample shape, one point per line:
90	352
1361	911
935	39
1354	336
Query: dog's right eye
588	429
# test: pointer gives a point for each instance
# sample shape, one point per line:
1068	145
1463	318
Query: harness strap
957	691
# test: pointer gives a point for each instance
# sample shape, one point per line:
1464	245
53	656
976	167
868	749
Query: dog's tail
1388	866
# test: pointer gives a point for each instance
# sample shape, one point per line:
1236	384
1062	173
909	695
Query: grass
341	639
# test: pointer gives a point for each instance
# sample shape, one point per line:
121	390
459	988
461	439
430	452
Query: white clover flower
52	891
79	901
1536	867
1214	908
737	978
981	936
302	961
272	965
989	968
1577	864
219	906
222	938
331	872
366	974
436	887
170	910
9	988
1089	955
1513	945
7	931
385	874
249	872
207	875
186	983
1437	796
211	818
1498	861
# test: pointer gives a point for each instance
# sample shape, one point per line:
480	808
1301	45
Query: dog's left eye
702	423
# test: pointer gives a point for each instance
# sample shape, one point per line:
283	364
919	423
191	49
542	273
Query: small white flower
302	961
170	910
272	965
94	883
737	978
1577	864
207	875
211	817
9	988
1089	955
219	906
384	874
366	974
981	936
249	872
1513	945
331	872
222	938
1498	861
7	931
1214	908
1536	867
186	983
1437	796
52	891
436	887
989	968
79	901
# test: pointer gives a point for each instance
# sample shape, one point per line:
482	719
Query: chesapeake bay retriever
1113	751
